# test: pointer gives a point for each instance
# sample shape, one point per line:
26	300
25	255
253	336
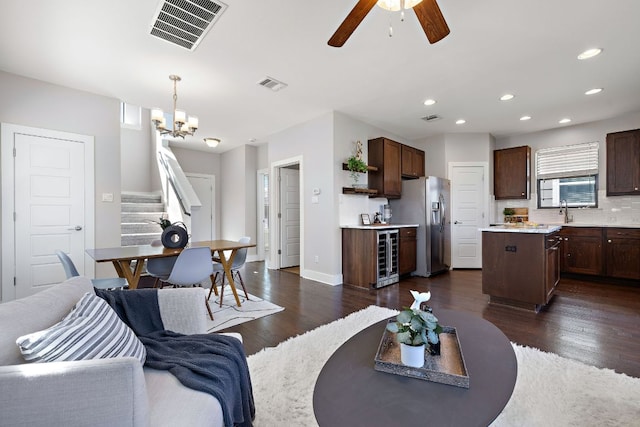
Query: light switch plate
107	197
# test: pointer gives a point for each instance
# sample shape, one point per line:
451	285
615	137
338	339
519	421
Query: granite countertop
580	224
538	229
379	226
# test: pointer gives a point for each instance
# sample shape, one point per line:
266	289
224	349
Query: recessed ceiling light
507	97
590	53
593	91
523	118
429	102
565	120
461	121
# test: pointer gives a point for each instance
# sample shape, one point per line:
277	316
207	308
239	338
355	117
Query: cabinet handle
523	193
568	254
609	241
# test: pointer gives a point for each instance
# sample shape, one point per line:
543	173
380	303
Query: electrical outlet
316	259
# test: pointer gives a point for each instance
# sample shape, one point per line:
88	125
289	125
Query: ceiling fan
427	11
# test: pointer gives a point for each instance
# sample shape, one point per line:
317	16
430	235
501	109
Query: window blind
567	161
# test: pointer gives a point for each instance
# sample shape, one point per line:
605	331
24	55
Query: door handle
457	222
76	228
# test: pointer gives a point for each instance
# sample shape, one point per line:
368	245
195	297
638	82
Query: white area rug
550	390
230	314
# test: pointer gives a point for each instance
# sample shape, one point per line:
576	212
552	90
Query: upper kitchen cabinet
623	163
412	162
386	155
512	173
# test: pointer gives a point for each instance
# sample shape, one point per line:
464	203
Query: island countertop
538	229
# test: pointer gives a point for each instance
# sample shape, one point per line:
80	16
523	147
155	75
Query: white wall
192	161
611	210
136	161
35	103
313	142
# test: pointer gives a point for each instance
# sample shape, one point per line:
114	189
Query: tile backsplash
617	210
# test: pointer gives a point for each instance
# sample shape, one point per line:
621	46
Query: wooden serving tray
447	368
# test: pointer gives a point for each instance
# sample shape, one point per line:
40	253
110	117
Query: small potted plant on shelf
415	330
356	165
508	213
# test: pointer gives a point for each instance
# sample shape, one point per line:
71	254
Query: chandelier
181	125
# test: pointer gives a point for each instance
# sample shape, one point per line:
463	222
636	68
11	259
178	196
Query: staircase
138	212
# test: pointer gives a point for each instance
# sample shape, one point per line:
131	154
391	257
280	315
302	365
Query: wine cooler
387	265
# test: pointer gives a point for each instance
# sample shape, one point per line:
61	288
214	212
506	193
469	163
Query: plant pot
412	355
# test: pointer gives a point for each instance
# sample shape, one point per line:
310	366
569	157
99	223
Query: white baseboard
329	279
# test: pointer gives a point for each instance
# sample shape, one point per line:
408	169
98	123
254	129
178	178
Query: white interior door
203	219
50	206
469	194
289	217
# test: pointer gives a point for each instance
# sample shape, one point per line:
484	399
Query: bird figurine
419	298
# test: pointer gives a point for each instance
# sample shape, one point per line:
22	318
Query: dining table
123	257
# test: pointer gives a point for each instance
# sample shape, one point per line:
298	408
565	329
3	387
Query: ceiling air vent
431	118
271	83
185	22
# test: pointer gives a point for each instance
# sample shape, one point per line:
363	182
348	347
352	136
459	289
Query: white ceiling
527	48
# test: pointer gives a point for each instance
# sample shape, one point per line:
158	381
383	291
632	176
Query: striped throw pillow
92	330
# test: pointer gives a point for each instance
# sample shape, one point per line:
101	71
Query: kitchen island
520	264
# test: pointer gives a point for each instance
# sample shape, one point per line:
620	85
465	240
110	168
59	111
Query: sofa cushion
36	312
92	330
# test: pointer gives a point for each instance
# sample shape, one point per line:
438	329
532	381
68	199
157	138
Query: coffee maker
385	210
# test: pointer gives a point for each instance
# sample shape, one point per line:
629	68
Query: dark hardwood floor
595	323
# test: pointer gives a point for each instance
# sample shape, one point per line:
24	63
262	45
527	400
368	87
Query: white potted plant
415	329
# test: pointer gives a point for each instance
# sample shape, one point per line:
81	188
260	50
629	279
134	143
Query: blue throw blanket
212	363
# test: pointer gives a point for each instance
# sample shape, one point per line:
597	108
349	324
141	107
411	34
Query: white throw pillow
92	330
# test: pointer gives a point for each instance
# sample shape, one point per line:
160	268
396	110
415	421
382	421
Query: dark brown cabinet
520	269
623	163
581	250
412	162
385	155
370	256
512	173
408	250
623	253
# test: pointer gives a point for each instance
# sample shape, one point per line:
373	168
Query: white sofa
104	392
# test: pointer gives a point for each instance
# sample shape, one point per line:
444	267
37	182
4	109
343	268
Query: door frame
274	259
485	199
260	252
7	132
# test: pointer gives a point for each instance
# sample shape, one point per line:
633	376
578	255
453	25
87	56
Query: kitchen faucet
566	211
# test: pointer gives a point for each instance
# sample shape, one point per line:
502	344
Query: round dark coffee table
350	392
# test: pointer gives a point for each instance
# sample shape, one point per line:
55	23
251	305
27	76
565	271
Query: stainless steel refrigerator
425	201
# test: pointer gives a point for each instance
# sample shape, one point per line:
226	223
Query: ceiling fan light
395	5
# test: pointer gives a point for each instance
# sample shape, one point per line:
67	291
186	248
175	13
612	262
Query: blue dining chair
238	262
160	268
108	283
192	267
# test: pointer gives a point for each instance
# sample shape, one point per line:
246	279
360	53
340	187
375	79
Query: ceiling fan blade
351	22
431	19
